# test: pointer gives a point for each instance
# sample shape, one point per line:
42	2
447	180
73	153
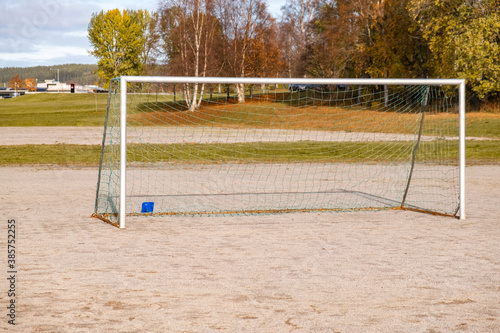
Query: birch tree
241	23
188	29
296	29
150	55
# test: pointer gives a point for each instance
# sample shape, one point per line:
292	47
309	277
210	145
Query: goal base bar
106	217
425	211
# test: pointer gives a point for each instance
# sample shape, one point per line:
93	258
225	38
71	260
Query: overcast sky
54	32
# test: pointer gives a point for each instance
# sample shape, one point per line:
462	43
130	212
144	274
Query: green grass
267	152
481	125
60	154
478	152
486	128
54	109
89	110
482	152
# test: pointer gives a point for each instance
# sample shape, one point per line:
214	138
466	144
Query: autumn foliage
17	83
29	84
312	38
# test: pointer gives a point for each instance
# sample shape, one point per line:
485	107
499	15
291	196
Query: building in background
55	86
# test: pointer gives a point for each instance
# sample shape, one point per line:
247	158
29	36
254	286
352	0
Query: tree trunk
240	89
386	95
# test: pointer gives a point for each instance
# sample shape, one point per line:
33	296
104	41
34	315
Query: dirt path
93	135
388	271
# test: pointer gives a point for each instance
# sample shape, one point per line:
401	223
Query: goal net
210	146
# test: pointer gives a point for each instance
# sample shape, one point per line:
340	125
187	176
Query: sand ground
389	271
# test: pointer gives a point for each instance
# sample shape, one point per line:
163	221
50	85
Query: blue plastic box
147	207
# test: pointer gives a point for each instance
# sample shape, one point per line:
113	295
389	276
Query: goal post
286	145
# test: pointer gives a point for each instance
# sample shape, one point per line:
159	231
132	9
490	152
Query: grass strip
478	152
54	109
59	154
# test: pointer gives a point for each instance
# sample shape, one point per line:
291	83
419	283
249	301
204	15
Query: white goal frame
124	80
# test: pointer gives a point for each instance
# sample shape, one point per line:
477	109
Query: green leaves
118	40
464	41
478	54
410	38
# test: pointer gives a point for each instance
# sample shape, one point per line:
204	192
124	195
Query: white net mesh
283	149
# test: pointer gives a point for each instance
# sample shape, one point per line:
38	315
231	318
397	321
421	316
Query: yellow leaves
118	41
479	51
29	84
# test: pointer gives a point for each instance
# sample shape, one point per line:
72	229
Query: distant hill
69	73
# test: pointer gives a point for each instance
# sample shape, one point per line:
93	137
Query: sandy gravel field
389	271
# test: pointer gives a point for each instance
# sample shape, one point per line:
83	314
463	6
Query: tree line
71	73
313	38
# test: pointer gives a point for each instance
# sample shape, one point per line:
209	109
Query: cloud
41	32
25	23
151	5
35	32
76	33
46	52
28	17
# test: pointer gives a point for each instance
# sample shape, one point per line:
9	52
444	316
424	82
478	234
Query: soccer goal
213	146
